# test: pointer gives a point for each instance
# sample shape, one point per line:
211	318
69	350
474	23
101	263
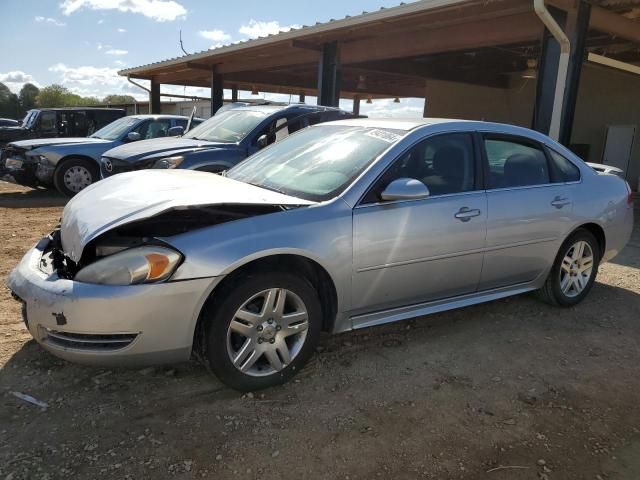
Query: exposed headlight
169	162
138	265
43	159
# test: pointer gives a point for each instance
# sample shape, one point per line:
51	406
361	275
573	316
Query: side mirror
262	141
133	136
404	189
176	131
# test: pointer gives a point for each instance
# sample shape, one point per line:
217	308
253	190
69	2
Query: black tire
220	310
552	292
65	166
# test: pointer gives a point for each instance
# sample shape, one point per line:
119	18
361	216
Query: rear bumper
108	325
618	233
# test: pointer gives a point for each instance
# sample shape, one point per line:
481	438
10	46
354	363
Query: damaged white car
342	225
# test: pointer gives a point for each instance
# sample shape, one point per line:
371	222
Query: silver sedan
341	226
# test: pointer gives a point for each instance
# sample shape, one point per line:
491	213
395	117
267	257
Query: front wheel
75	175
574	270
261	331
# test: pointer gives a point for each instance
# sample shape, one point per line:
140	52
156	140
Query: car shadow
36	198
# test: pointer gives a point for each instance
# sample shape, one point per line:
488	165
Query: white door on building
618	145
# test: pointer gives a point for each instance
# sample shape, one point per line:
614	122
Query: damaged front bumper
108	325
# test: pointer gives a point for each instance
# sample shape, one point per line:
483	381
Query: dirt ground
512	389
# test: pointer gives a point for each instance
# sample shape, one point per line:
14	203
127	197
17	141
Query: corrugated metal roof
319	27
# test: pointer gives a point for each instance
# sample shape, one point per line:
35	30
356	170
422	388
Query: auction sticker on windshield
383	135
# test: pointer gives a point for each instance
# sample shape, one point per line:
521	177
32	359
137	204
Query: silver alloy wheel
267	332
576	269
76	178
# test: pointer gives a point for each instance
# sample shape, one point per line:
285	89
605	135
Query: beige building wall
607	97
472	102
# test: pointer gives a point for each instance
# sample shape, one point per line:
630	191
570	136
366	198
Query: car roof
101	109
292	106
408	124
393	123
149	115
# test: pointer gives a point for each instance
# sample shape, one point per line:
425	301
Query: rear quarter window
562	169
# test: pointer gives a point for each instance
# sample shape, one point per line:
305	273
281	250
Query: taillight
629	194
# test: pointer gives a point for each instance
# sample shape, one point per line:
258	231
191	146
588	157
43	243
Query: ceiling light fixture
530	71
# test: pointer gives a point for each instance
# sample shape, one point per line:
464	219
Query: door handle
560	202
465	214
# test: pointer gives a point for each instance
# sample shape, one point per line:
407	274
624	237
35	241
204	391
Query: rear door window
154	128
48	123
515	163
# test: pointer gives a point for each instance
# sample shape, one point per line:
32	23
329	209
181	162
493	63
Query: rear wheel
75	175
261	331
573	271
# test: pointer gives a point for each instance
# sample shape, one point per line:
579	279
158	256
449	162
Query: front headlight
169	162
148	264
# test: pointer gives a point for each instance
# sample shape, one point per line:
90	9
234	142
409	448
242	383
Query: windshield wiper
273	189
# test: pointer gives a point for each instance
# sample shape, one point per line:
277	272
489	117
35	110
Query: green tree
59	96
9	105
118	100
53	96
27	97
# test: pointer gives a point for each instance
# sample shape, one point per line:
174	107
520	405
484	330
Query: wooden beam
279	58
198	66
614	24
499	31
305	45
606	21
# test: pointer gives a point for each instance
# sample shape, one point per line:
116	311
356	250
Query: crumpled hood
133	196
136	150
42	142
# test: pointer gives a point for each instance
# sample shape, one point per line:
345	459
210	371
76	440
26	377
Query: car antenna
181	45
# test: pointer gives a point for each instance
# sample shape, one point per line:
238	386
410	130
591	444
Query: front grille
88	342
111	166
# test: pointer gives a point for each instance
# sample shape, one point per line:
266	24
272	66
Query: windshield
316	163
27	122
228	127
116	129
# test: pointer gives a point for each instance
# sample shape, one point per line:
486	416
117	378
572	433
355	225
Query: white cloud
50	21
16	79
256	28
159	10
101	81
116	51
100	22
385	108
120	63
215	35
89	80
122	30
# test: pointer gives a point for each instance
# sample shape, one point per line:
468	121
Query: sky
81	44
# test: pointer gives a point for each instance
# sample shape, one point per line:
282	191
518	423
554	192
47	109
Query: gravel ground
513	389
